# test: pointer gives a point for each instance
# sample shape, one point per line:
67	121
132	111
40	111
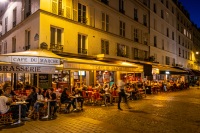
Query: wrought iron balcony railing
56	47
82	51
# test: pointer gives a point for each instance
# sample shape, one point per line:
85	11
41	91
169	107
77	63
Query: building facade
154	32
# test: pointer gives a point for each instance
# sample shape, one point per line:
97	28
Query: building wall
166	45
40	21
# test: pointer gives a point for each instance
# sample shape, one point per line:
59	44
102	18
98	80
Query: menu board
44	81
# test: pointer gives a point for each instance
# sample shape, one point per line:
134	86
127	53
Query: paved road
174	112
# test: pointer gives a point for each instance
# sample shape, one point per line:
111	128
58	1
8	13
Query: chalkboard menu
44	81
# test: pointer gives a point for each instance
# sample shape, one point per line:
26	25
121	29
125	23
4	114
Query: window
145	54
183	53
82	44
28	8
186	54
14	17
56	39
135	53
14	44
179	51
121	6
104	47
122	29
135	14
155	41
5	47
135	32
162	14
167	32
105	22
172	9
161	1
145	20
173	62
154	7
172	35
179	40
27	39
163	45
6	24
167	4
82	13
167	60
60	10
145	2
122	50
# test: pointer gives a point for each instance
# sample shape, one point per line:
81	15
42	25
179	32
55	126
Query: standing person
121	92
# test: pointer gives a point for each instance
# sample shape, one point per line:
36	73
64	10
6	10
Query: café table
19	104
48	109
76	100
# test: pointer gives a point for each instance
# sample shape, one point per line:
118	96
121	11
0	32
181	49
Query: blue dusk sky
193	7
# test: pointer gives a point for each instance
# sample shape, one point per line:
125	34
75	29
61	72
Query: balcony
136	18
14	24
82	51
136	40
145	43
122	11
27	47
56	47
28	13
105	1
82	19
122	54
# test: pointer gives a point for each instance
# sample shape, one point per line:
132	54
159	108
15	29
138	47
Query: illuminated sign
26	69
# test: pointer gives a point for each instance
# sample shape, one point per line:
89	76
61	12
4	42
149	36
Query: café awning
30	61
38	56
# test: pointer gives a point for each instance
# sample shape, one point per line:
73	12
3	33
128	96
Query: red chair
97	98
115	95
6	118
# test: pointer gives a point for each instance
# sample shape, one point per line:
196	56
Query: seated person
107	93
51	95
14	109
65	98
32	97
78	92
37	105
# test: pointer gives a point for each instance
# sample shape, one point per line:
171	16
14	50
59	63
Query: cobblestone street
173	112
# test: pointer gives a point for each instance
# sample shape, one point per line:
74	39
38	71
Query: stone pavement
173	112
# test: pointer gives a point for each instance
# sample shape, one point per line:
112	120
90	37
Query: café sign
33	60
26	69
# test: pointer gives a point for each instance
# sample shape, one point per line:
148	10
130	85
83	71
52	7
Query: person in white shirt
107	93
122	94
4	108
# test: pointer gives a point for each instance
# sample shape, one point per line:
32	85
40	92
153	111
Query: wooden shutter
75	10
54	6
92	14
68	9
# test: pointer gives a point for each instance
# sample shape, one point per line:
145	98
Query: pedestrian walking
122	94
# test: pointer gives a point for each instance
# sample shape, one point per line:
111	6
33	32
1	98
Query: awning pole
37	79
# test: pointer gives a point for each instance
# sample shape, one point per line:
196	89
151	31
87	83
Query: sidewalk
172	112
